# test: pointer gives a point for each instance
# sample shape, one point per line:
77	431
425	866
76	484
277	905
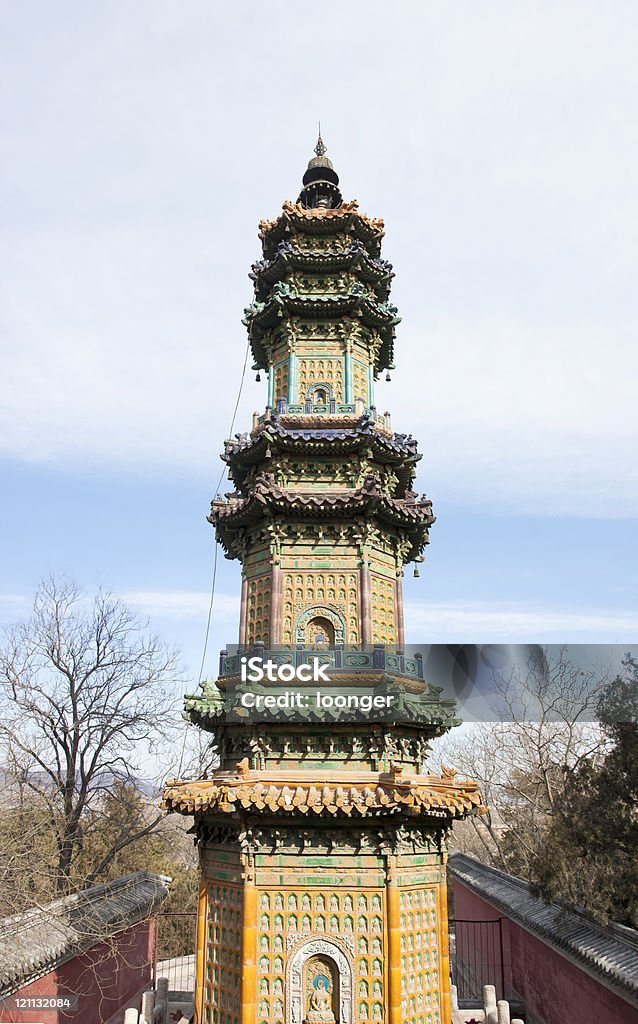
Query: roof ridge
610	950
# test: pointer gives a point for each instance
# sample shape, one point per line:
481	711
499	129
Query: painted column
249	947
271	387
394	945
398	608
243	614
292	377
370	385
347	376
200	966
365	602
276	595
444	957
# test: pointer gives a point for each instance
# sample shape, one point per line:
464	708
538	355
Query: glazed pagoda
322	838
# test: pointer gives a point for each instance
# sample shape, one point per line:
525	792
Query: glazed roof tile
361	794
247	447
609	952
369	499
346	218
354	258
36	941
264	315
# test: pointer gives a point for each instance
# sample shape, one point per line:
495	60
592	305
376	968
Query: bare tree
524	757
86	698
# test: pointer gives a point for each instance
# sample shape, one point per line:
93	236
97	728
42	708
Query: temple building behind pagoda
322	839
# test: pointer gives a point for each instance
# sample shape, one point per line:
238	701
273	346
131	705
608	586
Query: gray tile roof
40	939
609	953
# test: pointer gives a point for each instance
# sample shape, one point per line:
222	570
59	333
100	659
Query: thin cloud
478	623
183	604
509	205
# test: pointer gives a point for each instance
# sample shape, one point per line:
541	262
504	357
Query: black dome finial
321	181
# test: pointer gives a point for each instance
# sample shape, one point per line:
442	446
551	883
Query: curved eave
317	307
351	794
345	219
321	505
327	441
229	518
368	269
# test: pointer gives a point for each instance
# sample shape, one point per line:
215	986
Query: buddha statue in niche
319	989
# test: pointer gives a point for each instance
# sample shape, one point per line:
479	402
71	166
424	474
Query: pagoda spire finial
320	148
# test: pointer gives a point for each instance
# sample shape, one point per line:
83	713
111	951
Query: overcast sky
141	145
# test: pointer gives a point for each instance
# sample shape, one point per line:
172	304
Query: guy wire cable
216	549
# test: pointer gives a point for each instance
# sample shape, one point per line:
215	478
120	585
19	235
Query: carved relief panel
312	373
281	381
332	595
222	969
419	957
383	610
258	610
329	946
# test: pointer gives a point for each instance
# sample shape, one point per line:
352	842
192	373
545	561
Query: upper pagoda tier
323	515
321	321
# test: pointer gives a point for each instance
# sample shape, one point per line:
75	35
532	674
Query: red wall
107	979
554	990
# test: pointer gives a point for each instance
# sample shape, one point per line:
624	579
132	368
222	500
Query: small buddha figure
320	1010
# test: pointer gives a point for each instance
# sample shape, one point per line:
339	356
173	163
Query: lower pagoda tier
323	852
338	875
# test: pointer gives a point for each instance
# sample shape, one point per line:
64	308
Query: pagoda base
361	906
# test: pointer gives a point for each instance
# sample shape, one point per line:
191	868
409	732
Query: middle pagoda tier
323	516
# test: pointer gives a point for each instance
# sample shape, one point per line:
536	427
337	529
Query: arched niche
327	621
316	959
320	393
